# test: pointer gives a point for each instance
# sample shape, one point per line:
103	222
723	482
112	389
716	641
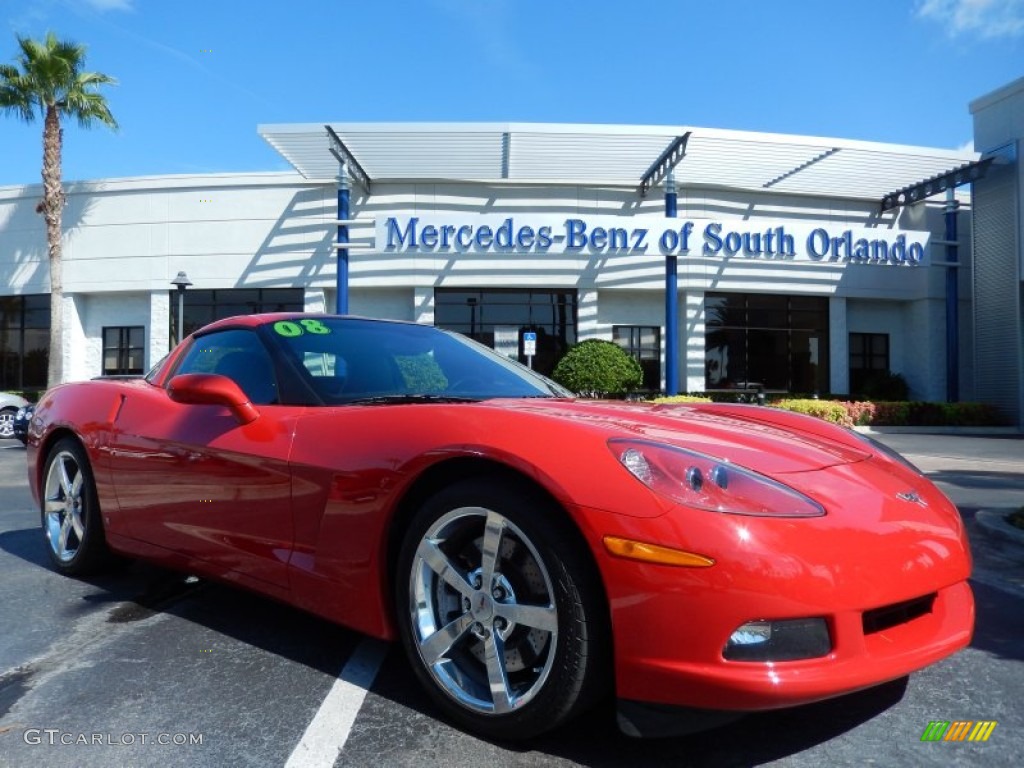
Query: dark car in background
19	425
9	405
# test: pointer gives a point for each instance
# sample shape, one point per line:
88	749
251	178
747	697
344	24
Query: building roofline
999	94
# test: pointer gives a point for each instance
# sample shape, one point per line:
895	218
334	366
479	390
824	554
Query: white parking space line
328	731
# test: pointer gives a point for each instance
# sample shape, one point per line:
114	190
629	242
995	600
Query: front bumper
857	661
871	554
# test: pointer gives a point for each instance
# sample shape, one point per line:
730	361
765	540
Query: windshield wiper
406	399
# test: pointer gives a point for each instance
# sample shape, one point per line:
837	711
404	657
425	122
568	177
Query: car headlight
697	480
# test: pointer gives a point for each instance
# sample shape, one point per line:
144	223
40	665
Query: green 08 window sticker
290	329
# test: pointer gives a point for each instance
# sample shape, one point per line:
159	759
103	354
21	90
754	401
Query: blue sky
196	78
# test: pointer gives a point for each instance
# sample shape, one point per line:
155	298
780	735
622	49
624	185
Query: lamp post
181	282
671	297
472	316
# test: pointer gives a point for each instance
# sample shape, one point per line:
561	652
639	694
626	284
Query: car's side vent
888	616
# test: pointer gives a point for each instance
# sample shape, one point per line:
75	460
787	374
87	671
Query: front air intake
889	616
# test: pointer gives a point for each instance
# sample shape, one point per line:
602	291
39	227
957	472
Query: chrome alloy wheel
63	501
7	423
482	611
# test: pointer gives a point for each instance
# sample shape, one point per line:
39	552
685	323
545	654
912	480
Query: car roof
9	398
266	318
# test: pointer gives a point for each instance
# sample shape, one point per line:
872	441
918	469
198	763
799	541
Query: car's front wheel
71	511
500	611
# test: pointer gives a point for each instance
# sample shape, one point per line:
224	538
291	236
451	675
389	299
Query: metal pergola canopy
632	156
940	182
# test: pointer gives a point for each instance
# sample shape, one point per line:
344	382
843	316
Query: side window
240	356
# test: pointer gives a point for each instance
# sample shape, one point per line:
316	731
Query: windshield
349	361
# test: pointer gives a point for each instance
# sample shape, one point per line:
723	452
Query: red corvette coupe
533	552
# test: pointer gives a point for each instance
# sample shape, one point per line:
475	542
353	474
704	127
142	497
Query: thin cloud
179	55
984	18
30	15
42	12
111	5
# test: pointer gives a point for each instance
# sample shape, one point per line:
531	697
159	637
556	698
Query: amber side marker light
655	553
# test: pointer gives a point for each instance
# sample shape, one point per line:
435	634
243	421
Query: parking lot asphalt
142	656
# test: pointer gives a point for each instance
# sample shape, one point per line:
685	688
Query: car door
195	480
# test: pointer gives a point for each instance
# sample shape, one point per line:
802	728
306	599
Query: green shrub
882	385
597	368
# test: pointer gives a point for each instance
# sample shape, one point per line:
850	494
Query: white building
803	264
999	265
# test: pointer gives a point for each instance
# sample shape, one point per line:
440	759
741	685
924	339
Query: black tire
534	620
70	512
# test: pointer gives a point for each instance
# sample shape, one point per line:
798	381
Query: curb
993	521
962	431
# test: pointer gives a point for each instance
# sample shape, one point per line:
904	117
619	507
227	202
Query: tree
49	82
597	368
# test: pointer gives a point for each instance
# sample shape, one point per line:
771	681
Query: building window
124	350
24	342
205	306
498	317
766	342
869	356
643	344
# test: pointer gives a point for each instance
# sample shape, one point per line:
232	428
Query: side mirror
212	389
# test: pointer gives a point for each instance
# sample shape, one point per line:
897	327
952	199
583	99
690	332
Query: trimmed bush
972	415
891	414
682	399
860	413
597	368
821	409
879	414
896	414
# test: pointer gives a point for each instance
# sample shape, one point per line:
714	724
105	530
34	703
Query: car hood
763	439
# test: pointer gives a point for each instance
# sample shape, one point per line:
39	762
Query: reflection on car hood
762	439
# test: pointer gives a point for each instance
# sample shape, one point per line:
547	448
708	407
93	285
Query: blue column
952	301
341	303
671	299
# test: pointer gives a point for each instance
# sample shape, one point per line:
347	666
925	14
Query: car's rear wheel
71	512
499	610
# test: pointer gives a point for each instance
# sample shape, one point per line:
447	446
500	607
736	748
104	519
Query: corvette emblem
912	497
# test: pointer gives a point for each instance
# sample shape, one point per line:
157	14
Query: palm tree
50	83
